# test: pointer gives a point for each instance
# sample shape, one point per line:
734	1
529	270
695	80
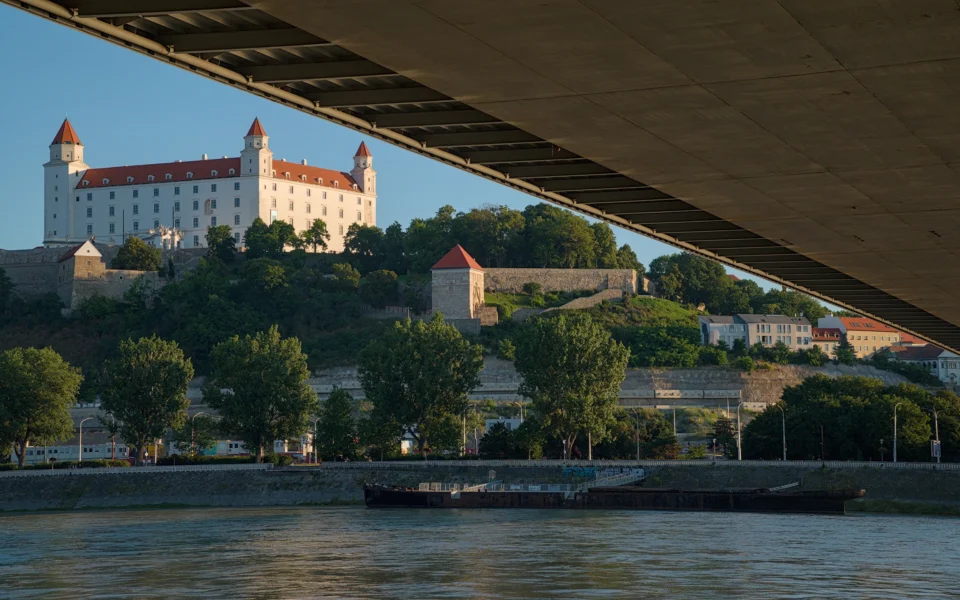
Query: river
354	552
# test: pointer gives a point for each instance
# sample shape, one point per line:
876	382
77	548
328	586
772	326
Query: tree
845	354
572	371
723	432
145	389
336	429
346	276
259	386
627	259
554	237
380	289
221	245
316	236
6	294
393	254
418	375
137	255
606	245
499	442
37	389
364	245
269	241
197	434
491	234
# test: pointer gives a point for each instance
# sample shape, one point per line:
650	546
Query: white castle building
173	204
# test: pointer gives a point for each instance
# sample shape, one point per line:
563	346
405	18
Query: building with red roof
457	289
866	336
173	204
827	339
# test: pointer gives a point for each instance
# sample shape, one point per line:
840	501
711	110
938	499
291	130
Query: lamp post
314	444
193	432
783	421
637	413
80	441
936	431
739	441
895	406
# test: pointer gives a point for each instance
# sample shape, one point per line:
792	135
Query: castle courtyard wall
561	280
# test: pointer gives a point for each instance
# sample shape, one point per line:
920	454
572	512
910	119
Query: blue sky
130	109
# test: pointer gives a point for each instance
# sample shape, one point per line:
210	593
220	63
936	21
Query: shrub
532	289
744	363
506	350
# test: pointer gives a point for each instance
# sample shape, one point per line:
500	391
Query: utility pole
895	406
936	429
739	440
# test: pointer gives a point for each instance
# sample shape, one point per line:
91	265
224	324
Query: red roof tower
256	128
457	258
66	135
362	150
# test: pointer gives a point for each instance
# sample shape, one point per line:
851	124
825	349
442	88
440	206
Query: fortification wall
561	280
33	272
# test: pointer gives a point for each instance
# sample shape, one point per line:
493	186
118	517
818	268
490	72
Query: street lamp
314	444
739	441
80	441
936	429
895	406
636	411
783	420
193	432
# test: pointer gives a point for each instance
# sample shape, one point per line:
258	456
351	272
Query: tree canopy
417	376
221	244
145	390
336	429
37	389
259	387
137	255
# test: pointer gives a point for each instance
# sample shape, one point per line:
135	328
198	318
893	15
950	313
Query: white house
794	332
942	363
173	204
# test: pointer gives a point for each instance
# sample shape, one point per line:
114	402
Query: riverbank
902	491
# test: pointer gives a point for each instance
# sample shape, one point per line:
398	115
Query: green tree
257	239
6	295
346	276
137	255
661	346
506	350
37	389
197	434
145	389
491	234
380	289
221	246
554	237
627	259
572	371
259	386
393	249
724	433
499	442
845	354
336	429
316	236
380	438
606	244
418	375
363	244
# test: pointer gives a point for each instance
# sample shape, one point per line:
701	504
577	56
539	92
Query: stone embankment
900	490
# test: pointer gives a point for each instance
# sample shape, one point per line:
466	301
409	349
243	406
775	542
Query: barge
630	497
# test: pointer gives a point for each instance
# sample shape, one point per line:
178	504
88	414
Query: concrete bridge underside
811	142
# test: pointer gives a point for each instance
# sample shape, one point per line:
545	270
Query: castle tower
457	285
62	202
363	172
256	157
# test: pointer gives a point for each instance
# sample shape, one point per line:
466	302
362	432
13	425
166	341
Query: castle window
136	209
176	190
336	184
324	195
236	238
341	230
196	189
136	225
236	202
291	205
213	221
290	220
233	172
156	208
341	213
156	224
89	196
110	210
323	210
196	205
189	175
196	241
303	178
89	229
308	223
113	196
213	173
85	183
291	189
308	192
213	187
341	197
113	227
150	177
168	176
106	181
136	193
273	203
156	192
359	201
236	219
369	202
129	179
213	203
286	174
320	180
236	184
176	223
308	209
196	222
355	186
274	187
359	216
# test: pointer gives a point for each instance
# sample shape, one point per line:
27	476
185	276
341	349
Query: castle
171	205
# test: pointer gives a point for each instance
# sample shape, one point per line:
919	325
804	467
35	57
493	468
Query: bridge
809	142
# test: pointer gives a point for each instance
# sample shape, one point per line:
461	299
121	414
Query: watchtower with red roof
457	285
61	174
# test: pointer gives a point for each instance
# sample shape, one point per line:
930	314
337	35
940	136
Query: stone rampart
33	272
561	280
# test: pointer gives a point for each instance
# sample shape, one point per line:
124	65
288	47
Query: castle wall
33	272
561	280
457	293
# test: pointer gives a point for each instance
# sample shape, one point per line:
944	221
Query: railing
134	470
552	464
613	481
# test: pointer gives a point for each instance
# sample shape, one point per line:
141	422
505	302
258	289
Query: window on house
236	219
236	238
213	187
196	241
324	195
236	202
341	197
110	210
213	203
156	224
176	206
176	223
156	192
89	229
196	189
308	209
291	205
359	201
136	225
291	189
113	228
308	192
359	216
274	187
323	210
89	212
89	196
196	222
113	195
273	203
196	205
213	221
290	220
150	177
341	213
136	209
136	193
236	184
156	208
341	230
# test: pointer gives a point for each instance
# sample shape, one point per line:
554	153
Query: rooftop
781	319
864	324
457	258
826	333
66	135
912	353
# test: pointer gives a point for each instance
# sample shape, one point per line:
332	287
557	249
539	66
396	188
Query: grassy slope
643	310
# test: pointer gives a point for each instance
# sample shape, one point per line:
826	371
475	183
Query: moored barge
780	500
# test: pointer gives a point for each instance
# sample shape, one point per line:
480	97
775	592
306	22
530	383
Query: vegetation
137	255
336	429
417	376
221	246
145	390
37	387
259	387
572	371
197	435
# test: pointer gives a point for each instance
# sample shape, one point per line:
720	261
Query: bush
182	459
506	350
72	464
744	363
532	289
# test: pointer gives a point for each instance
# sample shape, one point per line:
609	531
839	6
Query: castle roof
92	251
256	128
362	150
66	135
457	258
865	324
314	175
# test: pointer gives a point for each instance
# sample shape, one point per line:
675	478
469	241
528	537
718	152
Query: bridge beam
348	98
149	8
349	69
228	41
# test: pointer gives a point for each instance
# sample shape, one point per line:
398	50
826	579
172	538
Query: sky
130	109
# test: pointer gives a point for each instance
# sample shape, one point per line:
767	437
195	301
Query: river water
362	553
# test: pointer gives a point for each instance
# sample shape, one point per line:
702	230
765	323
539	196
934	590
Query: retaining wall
560	280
